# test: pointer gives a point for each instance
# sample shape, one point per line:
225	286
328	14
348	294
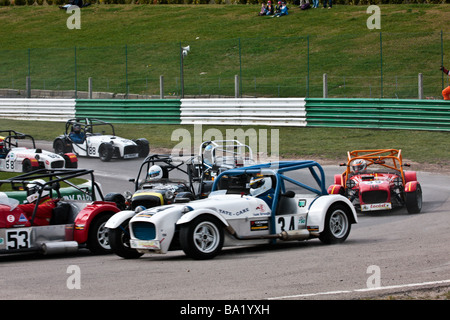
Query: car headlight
350	184
169	194
398	182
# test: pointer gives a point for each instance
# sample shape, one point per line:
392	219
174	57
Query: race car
258	204
216	156
161	179
21	159
375	180
86	137
49	224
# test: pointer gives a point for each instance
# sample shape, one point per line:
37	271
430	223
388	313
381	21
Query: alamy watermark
74	280
374	280
74	21
264	143
374	21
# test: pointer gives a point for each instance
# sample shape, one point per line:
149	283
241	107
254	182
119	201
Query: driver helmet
259	185
76	128
155	173
33	190
359	165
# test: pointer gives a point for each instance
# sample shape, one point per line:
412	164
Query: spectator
330	3
446	91
316	3
278	8
269	8
283	10
263	10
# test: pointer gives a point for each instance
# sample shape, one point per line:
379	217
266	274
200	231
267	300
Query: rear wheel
414	200
337	225
202	238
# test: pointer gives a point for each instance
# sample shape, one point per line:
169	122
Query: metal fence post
28	87
90	87
236	86
325	85
420	86
161	87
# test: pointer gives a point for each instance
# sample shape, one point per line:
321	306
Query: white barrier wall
37	109
245	111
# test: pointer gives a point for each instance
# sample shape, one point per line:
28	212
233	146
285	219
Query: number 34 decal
290	222
18	239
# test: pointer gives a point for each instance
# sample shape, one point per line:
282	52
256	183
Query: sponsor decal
302	203
258	225
376	206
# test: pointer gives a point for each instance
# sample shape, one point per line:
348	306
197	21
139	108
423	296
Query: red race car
47	222
375	180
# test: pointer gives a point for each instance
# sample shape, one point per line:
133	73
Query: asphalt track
385	253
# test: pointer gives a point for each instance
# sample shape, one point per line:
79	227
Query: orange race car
375	180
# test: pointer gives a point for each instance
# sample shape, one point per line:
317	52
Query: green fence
376	65
379	113
156	111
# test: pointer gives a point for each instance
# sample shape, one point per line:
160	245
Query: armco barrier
246	111
37	109
156	111
379	113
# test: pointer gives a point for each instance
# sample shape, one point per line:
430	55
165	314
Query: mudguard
191	215
336	189
87	214
116	220
318	211
411	186
410	176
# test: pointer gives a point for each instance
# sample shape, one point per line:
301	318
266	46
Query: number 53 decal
18	239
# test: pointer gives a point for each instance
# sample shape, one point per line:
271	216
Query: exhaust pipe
290	235
59	247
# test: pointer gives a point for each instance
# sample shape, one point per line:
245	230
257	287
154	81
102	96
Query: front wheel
413	200
119	239
106	151
337	226
202	238
98	240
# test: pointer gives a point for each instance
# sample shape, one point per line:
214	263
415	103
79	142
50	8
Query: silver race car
96	138
258	204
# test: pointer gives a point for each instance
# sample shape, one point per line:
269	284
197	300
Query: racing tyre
119	240
60	147
144	147
27	167
337	225
202	238
98	239
413	200
106	151
117	198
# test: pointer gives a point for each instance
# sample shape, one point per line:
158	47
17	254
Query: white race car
249	205
87	137
21	159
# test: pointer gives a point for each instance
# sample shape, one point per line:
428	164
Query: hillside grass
120	45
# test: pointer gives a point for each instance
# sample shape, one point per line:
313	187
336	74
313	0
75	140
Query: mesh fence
384	65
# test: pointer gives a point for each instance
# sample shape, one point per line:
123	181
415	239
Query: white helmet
155	173
260	185
359	165
33	190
